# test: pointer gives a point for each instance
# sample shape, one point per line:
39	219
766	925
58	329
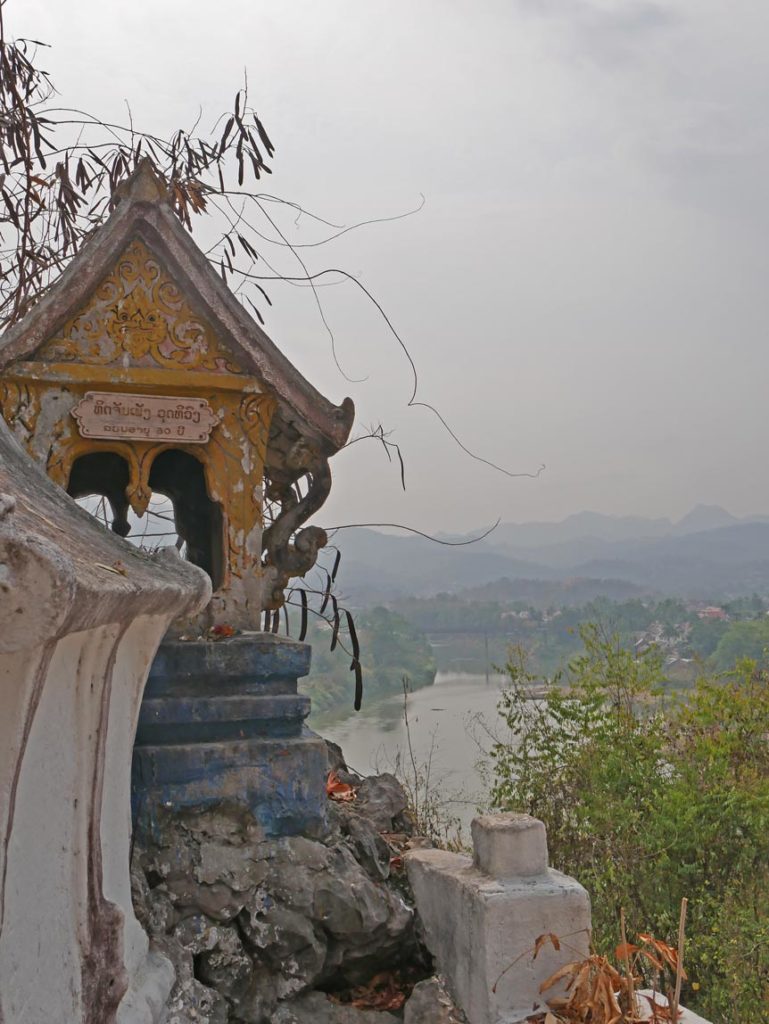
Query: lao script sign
106	414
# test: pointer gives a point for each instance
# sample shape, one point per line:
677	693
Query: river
447	727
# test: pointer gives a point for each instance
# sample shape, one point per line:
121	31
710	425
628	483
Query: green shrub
648	799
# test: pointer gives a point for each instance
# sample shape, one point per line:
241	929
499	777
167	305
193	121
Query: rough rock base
255	926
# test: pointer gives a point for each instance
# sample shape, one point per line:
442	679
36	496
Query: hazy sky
586	286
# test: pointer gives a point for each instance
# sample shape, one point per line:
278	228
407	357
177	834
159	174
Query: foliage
597	992
648	800
742	640
472	633
390	649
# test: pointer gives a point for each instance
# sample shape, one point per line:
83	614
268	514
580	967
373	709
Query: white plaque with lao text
105	414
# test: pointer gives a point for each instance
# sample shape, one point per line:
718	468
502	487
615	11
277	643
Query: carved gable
140	373
138	317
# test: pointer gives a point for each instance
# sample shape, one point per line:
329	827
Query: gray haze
586	286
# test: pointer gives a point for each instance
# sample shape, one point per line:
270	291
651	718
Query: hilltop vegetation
422	606
456	633
470	634
453	633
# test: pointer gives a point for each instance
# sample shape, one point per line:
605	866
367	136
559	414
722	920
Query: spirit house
139	372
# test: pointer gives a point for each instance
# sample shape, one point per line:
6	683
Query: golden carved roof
138	317
141	293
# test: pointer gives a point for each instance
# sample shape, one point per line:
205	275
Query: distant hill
705	517
578	526
724	562
709	553
599	528
381	567
543	594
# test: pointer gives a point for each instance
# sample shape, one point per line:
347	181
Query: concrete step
172	720
280	780
248	663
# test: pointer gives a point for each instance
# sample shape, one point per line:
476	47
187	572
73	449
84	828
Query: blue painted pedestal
223	722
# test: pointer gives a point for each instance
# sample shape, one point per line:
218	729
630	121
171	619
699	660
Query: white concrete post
483	915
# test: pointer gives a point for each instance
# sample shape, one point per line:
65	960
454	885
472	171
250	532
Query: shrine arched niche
175	506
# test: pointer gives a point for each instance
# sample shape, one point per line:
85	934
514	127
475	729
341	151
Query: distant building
711	612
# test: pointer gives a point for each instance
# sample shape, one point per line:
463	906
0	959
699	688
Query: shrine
139	373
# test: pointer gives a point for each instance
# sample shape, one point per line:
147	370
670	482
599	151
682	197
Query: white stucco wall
76	643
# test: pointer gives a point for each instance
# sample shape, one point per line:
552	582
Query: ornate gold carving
134	329
138	317
135	326
233	462
20	407
255	414
236	465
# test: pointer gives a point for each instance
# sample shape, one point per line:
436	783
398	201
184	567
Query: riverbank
441	748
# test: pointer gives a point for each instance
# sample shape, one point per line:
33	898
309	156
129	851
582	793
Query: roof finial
145	185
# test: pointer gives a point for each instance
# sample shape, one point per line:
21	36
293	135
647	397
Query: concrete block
482	929
222	721
282	781
509	845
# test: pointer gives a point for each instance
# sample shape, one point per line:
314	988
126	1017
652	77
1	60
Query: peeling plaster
76	645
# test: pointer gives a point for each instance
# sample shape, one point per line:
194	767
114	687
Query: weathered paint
140	311
223	722
137	333
75	647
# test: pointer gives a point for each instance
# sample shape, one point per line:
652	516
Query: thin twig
628	967
679	960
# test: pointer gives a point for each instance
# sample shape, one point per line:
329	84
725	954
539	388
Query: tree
742	640
648	800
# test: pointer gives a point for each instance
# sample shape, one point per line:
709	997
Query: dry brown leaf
540	941
558	1003
652	959
668	953
559	975
659	1010
614	1009
222	631
580	985
338	790
383	992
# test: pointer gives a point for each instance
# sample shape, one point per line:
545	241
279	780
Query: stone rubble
430	1003
258	929
316	1008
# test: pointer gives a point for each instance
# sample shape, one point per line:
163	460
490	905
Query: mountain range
708	554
